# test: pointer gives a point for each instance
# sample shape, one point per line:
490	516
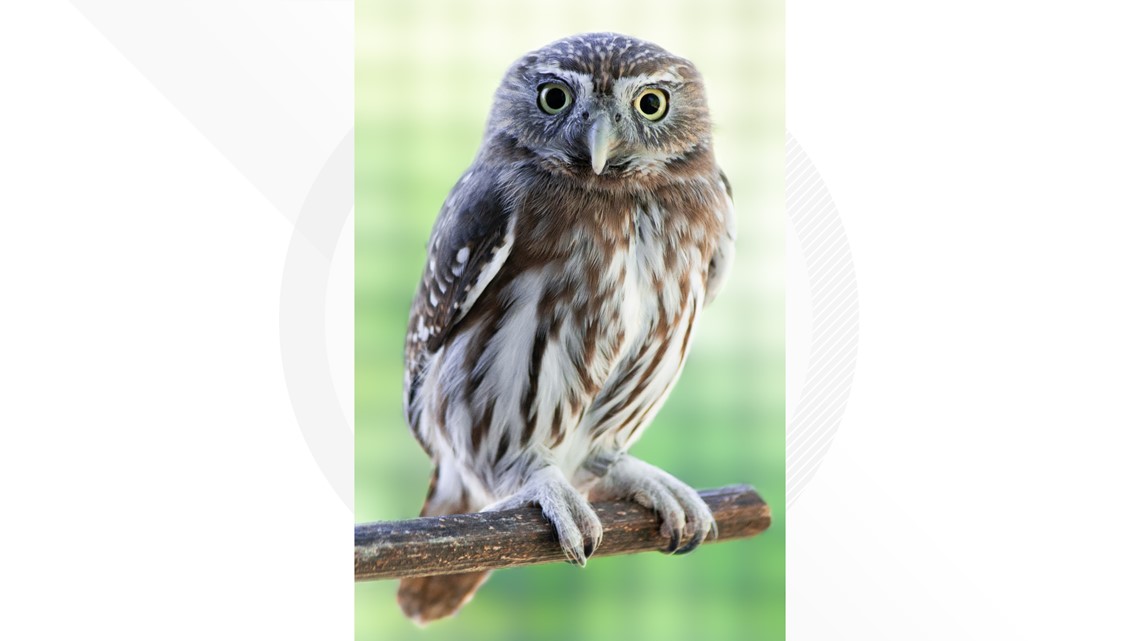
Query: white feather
498	257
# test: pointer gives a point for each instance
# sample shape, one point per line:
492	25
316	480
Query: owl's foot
684	516
579	529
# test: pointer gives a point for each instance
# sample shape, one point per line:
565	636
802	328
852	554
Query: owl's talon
674	532
576	557
685	517
697	539
578	528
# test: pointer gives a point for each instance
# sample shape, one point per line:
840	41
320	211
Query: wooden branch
491	540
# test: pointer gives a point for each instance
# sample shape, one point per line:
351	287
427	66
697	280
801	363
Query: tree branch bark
492	540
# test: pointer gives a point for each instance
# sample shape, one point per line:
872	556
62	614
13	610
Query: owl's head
604	105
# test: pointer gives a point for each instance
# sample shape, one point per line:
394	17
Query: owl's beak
600	139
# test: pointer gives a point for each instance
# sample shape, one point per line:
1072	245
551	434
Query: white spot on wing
461	256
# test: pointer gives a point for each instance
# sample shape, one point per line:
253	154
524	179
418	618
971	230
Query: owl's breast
637	294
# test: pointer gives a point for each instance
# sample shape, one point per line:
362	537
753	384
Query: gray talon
679	507
578	528
692	544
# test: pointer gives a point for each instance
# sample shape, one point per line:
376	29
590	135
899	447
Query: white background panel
983	158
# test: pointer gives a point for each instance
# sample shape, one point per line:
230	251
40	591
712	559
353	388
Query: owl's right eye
554	97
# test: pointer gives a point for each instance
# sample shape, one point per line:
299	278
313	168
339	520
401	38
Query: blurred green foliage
425	76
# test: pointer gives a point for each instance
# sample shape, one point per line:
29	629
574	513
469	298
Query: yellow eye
554	97
652	104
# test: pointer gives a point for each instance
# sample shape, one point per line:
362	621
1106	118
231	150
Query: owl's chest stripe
648	405
616	393
618	397
615	390
529	406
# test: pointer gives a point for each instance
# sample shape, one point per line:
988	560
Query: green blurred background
425	75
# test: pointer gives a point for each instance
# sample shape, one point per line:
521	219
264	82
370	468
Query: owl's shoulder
475	208
468	244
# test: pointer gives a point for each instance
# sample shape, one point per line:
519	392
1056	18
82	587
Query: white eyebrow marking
668	75
664	76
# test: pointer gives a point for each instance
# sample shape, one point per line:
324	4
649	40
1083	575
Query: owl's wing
470	242
725	251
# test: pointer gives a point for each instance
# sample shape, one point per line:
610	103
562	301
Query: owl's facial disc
600	139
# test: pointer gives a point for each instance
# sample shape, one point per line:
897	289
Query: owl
565	276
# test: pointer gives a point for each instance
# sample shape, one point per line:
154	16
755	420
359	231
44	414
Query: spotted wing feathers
470	242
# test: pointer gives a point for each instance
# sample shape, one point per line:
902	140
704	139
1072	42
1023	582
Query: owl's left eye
554	97
651	104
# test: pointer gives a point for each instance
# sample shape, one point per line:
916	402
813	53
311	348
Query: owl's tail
425	599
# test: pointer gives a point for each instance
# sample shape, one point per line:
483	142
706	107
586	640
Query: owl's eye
554	97
652	104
